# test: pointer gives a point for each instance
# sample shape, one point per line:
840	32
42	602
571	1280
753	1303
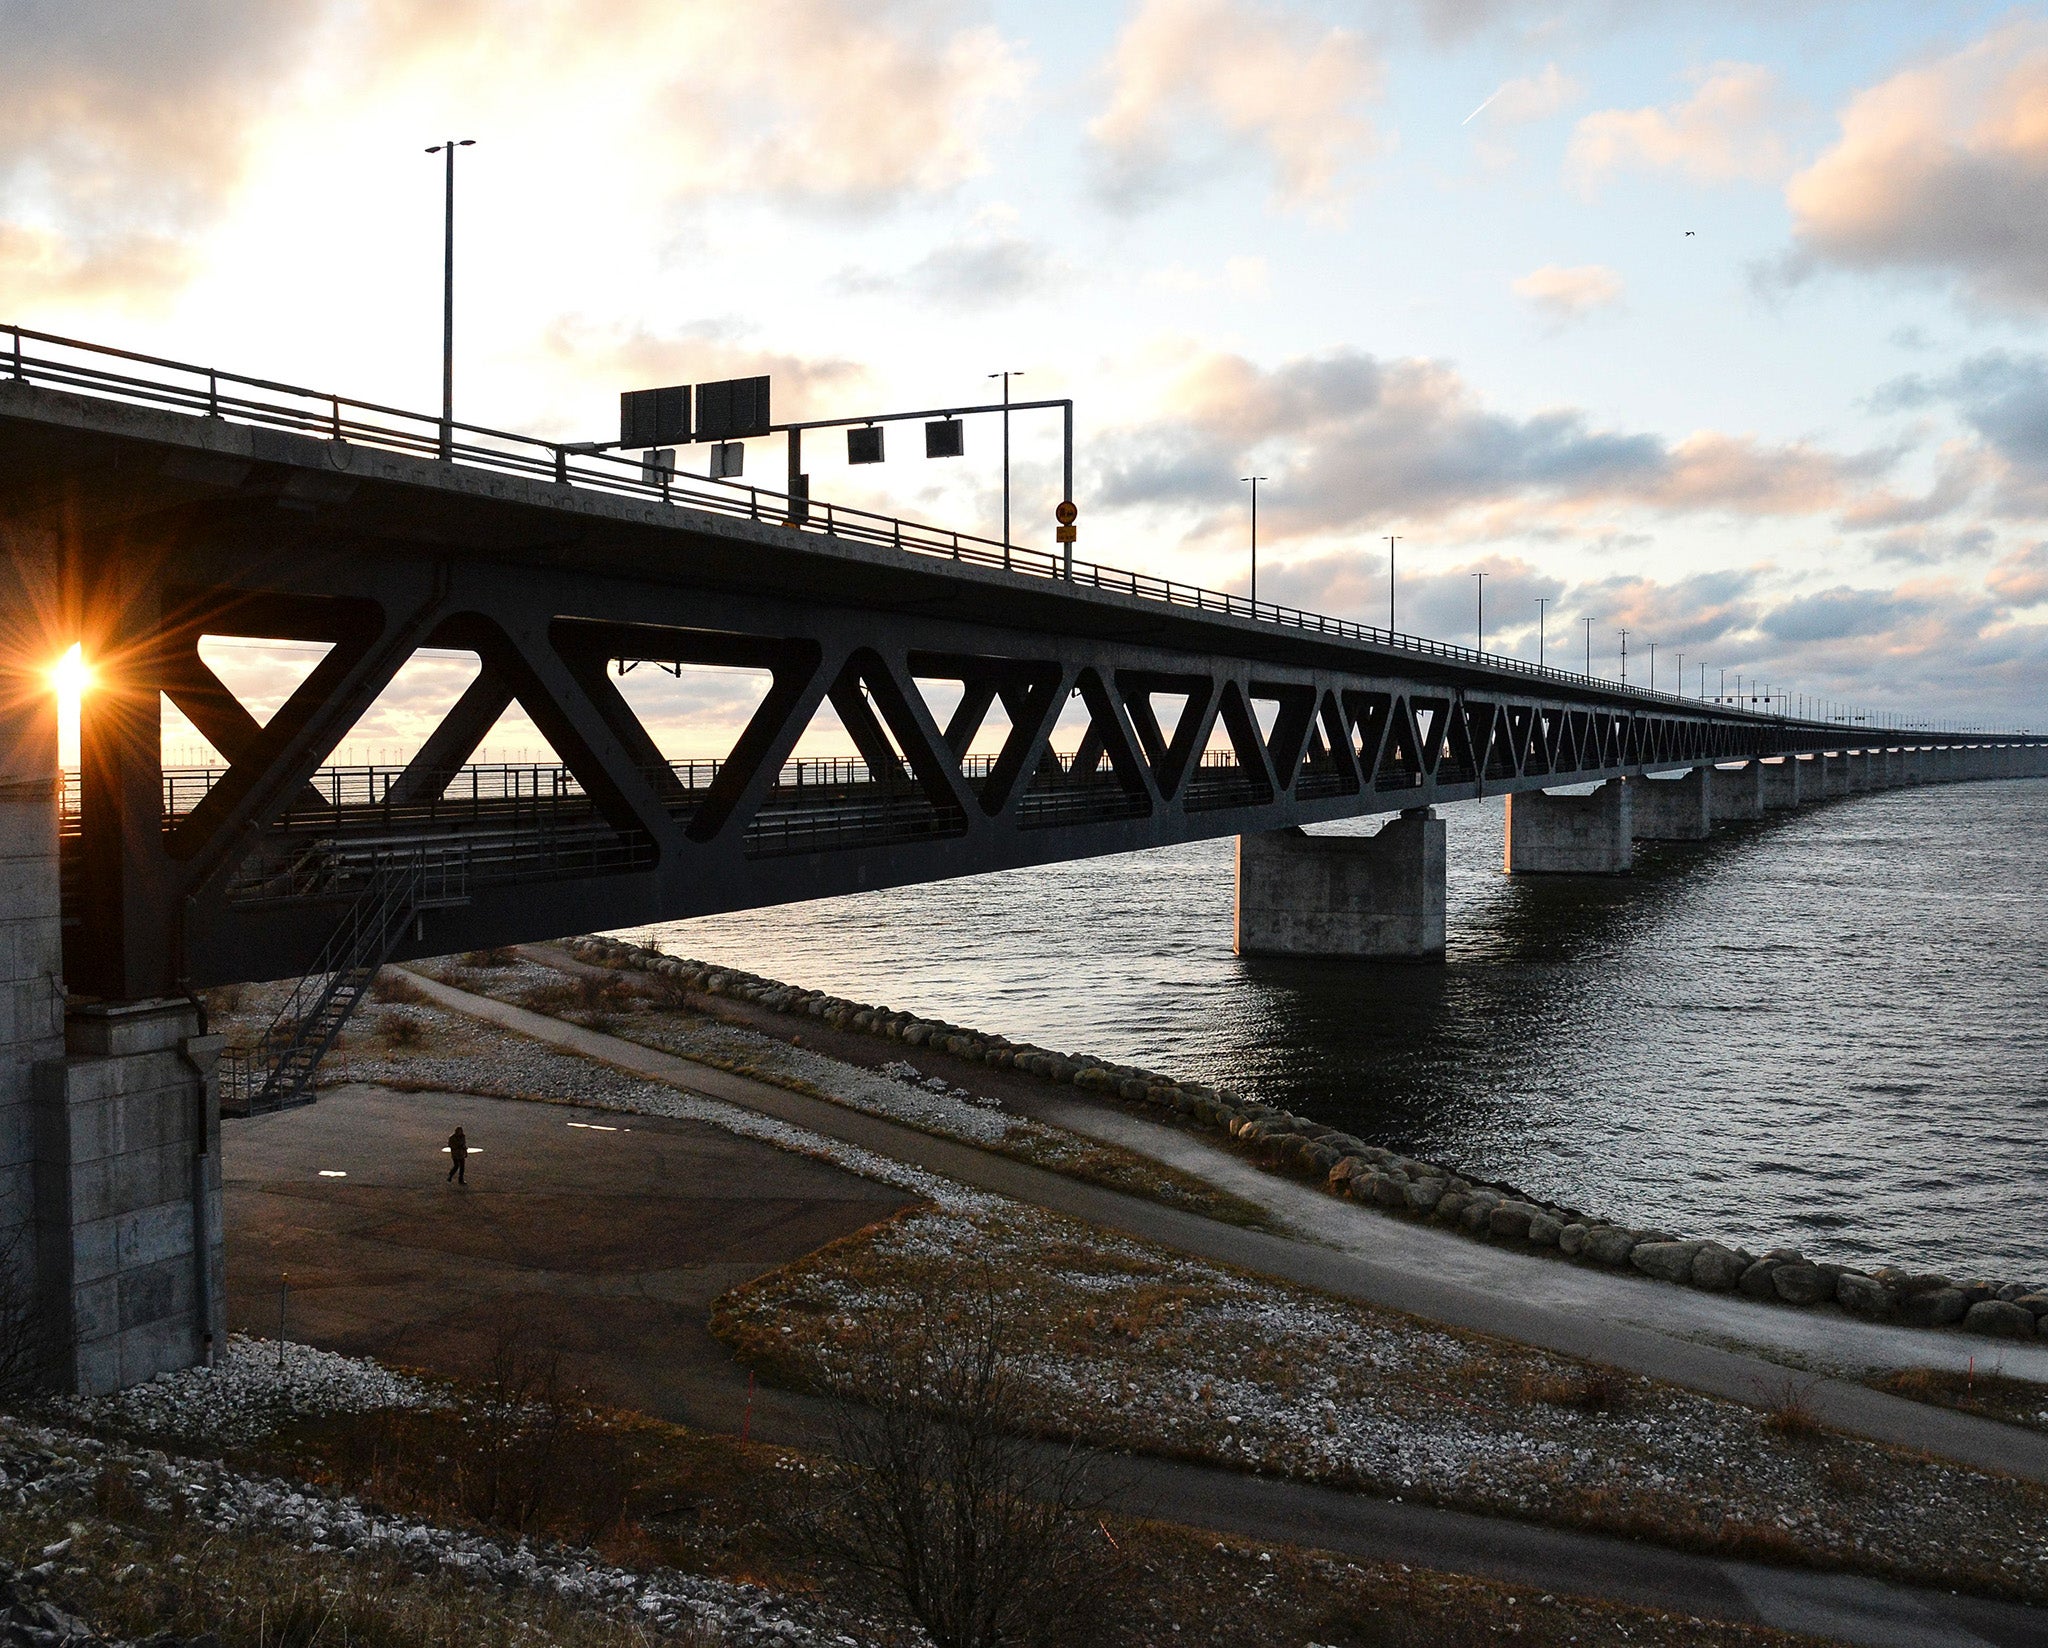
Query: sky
1718	324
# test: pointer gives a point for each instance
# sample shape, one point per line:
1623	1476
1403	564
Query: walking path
1845	1607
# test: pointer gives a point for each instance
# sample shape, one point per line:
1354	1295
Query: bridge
147	506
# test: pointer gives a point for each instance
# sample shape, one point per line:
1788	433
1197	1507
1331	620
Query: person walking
458	1154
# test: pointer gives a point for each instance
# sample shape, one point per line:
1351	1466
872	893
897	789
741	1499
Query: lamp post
1254	479
1482	610
1681	675
1653	666
1542	601
1392	539
448	302
1589	646
1624	655
1006	377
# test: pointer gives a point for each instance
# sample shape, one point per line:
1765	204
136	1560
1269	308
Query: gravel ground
247	1396
1124	1344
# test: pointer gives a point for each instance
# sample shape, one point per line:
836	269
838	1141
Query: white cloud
1196	81
1530	97
1567	294
1725	132
1942	169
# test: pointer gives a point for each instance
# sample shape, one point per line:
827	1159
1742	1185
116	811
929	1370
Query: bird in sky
1689	234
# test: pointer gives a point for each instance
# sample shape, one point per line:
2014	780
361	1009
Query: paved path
1845	1607
1710	1369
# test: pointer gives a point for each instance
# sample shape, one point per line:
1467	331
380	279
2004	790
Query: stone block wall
128	1170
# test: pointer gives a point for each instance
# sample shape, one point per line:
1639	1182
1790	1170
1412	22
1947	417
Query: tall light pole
1624	655
1006	377
1482	609
1254	479
1681	675
1542	601
1589	646
1392	539
448	303
1653	666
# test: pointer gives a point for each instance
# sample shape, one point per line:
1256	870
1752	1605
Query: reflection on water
1829	1029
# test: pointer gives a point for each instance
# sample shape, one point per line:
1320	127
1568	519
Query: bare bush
1791	1413
494	956
534	1465
986	1538
401	1030
390	985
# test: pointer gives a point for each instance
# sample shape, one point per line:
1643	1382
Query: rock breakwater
1403	1185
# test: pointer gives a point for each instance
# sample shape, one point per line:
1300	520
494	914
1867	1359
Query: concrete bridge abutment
1738	792
1378	897
1571	834
1785	783
1672	809
110	1233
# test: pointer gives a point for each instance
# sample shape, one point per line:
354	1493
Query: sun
71	675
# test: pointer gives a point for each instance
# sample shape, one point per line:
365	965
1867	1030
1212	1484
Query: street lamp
1006	377
1392	539
1589	646
448	303
1254	479
1653	666
1624	655
1542	601
1482	609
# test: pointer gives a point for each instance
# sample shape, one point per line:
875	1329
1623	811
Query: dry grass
1791	1413
1140	1349
1988	1395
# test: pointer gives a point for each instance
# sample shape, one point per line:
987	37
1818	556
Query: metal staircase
278	1071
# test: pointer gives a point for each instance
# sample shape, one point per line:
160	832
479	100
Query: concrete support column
1861	778
1571	834
1835	781
1672	809
1738	792
1781	782
31	974
128	1199
1378	897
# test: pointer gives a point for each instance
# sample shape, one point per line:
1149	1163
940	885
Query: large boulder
2000	1319
1510	1219
1571	1239
1451	1205
1803	1282
1718	1268
2035	1304
1938	1308
1609	1244
1424	1194
1545	1229
1667	1261
1865	1296
1756	1281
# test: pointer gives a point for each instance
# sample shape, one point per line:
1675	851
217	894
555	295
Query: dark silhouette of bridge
147	506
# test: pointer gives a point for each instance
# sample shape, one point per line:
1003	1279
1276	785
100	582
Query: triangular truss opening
1400	762
1101	778
1186	699
894	787
1283	714
259	672
1499	742
992	712
1329	763
1536	750
1236	775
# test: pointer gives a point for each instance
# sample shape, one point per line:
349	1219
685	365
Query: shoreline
1404	1186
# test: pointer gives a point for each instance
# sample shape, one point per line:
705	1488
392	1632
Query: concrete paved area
626	1237
1499	1309
618	1231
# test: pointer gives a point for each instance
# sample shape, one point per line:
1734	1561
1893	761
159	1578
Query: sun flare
71	675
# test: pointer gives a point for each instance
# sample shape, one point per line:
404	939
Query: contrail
1476	113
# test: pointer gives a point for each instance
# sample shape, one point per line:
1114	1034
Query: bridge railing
347	423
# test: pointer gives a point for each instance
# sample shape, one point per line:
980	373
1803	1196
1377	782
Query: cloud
1942	170
2021	577
816	102
634	356
969	274
1358	441
1564	295
2001	397
1198	81
1723	133
123	126
1530	97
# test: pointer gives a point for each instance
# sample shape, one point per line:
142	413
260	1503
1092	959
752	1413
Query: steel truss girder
1308	743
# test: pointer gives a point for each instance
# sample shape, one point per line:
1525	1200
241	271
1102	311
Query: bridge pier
1738	792
1571	834
1784	783
1672	809
1368	898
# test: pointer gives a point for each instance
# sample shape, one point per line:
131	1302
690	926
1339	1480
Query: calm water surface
1829	1029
